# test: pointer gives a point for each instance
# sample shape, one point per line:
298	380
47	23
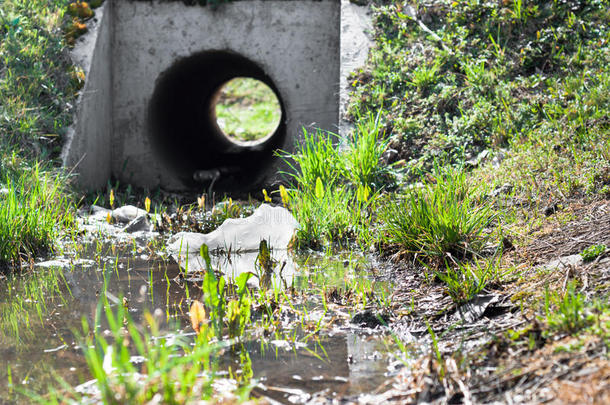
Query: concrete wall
356	40
89	142
297	43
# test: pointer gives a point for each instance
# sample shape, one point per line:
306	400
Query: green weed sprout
593	252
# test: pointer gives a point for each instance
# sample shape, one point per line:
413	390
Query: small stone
474	310
389	156
370	319
498	158
480	158
140	224
56	263
563	262
503	189
98	212
127	213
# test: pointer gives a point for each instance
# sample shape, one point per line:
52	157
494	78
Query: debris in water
197	314
274	224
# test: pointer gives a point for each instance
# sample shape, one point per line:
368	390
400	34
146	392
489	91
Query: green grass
33	211
593	252
464	281
331	216
316	157
440	218
531	77
37	78
363	152
567	312
336	183
38	84
175	371
248	110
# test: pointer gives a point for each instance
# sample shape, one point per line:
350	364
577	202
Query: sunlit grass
439	218
336	182
37	82
173	370
36	87
34	209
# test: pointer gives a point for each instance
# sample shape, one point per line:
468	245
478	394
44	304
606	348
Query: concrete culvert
184	127
155	69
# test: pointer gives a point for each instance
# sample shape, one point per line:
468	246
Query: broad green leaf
205	253
241	282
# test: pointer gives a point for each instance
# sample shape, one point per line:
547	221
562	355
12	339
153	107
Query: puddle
341	359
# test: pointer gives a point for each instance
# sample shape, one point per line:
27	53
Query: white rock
127	213
563	262
56	263
96	210
274	224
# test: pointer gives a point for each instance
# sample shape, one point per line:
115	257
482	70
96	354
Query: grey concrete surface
87	150
298	44
356	41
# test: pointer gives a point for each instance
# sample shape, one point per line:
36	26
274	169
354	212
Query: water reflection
344	363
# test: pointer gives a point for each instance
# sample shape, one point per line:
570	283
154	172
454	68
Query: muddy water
343	361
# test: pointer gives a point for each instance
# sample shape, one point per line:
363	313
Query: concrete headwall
89	142
295	45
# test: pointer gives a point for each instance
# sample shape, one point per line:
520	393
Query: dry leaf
197	313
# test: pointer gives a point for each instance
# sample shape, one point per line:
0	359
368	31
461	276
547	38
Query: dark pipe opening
185	134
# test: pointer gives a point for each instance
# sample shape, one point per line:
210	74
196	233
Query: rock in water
140	224
274	224
127	213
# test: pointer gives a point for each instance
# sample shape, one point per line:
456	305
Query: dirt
498	347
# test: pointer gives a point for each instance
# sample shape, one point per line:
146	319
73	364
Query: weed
234	313
465	281
424	77
335	186
593	252
567	312
317	157
173	370
35	85
484	75
363	154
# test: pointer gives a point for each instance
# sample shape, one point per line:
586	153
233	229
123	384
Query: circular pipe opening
247	111
184	128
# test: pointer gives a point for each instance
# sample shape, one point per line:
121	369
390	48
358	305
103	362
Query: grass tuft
336	182
441	217
33	210
465	280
